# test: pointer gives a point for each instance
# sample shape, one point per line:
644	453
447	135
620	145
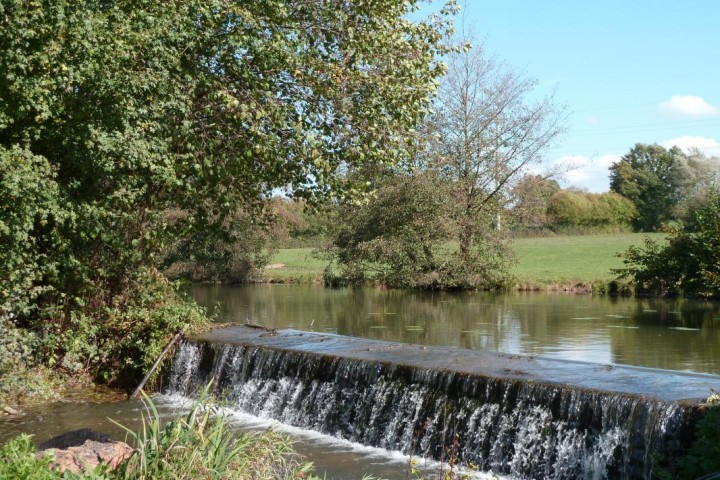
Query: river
669	334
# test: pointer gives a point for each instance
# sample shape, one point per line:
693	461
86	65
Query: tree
648	176
488	134
395	237
697	176
135	109
529	201
236	256
483	136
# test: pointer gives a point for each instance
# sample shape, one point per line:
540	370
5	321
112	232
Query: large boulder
85	449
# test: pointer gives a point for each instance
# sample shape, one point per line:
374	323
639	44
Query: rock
84	450
9	410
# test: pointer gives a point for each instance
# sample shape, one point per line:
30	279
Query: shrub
118	340
703	456
689	264
21	378
30	212
595	212
17	461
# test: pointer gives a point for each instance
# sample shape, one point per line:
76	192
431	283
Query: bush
117	341
689	264
30	212
21	377
395	238
703	456
591	212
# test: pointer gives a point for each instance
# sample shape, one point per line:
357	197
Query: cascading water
524	428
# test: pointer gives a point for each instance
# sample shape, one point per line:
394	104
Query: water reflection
675	334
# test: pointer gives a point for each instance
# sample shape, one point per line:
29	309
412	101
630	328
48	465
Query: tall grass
201	444
197	444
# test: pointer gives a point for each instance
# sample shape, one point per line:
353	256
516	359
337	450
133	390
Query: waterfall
527	429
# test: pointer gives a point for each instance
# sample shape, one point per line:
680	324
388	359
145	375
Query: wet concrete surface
668	385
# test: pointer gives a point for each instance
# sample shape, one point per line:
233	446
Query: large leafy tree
664	184
122	111
645	176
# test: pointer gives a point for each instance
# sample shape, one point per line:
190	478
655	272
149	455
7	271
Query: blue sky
632	71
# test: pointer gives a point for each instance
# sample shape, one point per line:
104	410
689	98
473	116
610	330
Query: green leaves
31	214
657	180
689	264
126	127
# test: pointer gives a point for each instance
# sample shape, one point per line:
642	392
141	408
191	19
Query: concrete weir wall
523	416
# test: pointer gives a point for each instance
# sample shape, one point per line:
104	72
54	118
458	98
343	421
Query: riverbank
578	264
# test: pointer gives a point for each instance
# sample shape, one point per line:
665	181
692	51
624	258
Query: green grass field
585	258
543	260
295	265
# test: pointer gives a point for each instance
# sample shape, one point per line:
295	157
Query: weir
523	416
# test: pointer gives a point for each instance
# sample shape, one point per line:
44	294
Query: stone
83	450
9	410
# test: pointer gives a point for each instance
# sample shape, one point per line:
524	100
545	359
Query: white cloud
688	105
709	146
590	173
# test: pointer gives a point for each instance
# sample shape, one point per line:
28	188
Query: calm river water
678	335
670	334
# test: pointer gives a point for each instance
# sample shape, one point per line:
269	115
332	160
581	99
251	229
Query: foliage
120	340
529	202
697	175
399	238
22	378
703	456
394	238
644	175
200	444
30	245
303	224
689	264
18	461
481	138
237	254
663	184
598	212
114	115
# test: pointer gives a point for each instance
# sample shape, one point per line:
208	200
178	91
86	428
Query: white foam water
386	415
339	459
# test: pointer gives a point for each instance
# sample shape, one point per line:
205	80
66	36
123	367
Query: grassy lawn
577	258
295	265
587	258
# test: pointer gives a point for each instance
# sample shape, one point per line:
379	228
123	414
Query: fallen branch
155	365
